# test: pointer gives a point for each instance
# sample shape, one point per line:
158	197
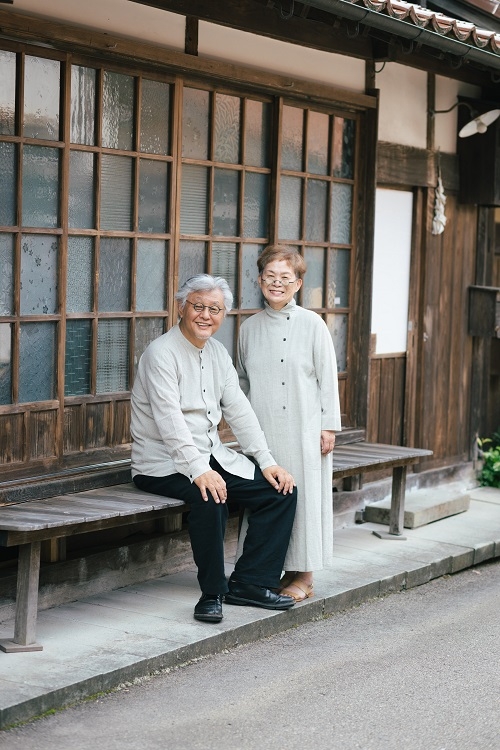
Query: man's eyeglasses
269	280
212	309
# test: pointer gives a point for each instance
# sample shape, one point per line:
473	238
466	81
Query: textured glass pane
78	357
227	128
5	366
153	196
6	274
151	272
38	274
292	138
41	98
256	205
317	143
341	213
80	274
316	210
192	260
146	331
81	190
8	184
155	117
37	362
224	263
7	93
226	198
344	137
195	125
83	98
112	356
312	295
116	192
338	275
194	198
251	296
118	111
257	133
40	186
290	207
337	325
225	334
114	275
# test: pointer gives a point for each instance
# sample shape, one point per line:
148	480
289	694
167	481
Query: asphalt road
418	670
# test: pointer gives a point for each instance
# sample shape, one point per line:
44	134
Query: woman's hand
327	441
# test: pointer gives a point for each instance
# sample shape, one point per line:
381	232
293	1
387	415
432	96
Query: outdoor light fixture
478	124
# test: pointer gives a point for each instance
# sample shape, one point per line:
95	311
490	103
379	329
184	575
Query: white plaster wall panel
403	105
119	17
221	43
445	131
391	269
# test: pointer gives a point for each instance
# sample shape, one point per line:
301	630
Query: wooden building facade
148	141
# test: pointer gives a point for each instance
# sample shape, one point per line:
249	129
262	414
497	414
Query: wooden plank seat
32	522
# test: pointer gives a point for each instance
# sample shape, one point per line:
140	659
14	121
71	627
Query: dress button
282	360
284	407
282	384
284	339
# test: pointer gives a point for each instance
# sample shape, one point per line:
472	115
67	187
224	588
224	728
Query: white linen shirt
179	396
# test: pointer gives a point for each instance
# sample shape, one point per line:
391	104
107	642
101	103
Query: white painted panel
221	43
120	17
391	270
403	105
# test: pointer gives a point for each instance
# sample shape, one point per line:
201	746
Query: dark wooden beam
324	31
266	20
191	36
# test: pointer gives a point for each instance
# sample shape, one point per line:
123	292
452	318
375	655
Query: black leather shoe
248	594
209	608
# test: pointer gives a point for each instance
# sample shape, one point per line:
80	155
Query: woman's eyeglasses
269	280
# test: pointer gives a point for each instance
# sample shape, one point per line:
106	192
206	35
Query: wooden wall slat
42	434
11	438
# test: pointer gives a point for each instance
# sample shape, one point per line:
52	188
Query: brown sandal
287	579
306	588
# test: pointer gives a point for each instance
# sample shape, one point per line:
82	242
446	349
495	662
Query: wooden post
397	512
28	570
396	518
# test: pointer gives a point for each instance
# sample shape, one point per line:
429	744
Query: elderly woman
288	369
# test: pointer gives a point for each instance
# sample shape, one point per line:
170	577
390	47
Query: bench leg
26	602
397	513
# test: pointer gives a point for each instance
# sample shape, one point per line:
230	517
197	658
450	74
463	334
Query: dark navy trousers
269	526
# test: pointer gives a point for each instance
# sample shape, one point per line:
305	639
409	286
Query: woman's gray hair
203	282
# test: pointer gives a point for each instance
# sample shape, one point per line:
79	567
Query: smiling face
277	294
197	327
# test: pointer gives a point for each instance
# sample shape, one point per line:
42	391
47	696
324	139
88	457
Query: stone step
422	506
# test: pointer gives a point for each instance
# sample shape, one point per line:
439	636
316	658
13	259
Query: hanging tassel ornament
439	220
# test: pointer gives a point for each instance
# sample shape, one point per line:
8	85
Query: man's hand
212	482
279	478
327	441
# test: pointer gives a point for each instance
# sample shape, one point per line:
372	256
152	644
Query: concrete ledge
422	507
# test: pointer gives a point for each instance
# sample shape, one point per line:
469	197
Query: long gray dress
288	369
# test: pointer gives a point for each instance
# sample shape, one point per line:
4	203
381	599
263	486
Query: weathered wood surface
360	457
90	507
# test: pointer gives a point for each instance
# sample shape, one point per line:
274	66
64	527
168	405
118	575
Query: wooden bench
52	520
355	459
30	523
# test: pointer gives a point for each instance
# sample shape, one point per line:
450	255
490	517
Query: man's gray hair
203	282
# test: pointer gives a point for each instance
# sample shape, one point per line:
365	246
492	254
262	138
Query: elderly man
185	383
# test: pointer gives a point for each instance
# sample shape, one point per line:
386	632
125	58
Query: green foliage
489	452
